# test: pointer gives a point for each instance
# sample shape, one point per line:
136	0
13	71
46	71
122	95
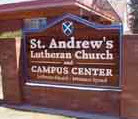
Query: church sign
74	51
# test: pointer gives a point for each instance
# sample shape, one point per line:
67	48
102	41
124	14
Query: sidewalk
33	112
7	113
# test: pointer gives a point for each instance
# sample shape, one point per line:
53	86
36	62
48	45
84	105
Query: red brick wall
10	25
129	101
87	101
10	72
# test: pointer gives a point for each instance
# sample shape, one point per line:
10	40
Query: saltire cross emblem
68	28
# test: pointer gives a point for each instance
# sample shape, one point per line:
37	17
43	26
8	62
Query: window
35	23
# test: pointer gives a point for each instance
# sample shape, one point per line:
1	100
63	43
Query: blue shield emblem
68	28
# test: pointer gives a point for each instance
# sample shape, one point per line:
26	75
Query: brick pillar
10	49
129	101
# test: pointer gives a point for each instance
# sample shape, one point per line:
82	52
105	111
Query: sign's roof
100	7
